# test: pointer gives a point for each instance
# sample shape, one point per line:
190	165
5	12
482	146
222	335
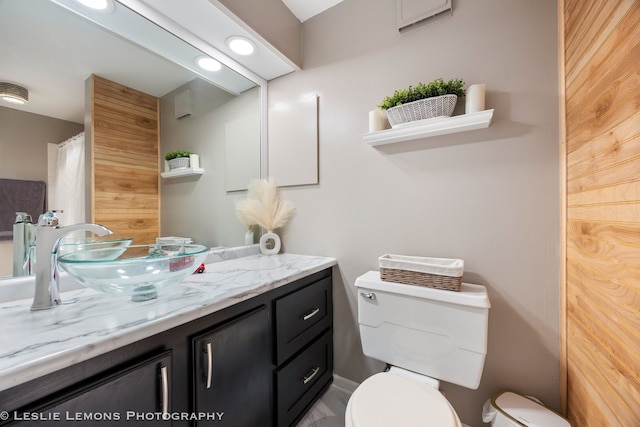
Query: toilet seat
386	399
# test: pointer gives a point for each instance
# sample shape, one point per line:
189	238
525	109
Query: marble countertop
89	323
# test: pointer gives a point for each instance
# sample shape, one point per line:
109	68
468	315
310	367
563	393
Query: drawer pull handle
165	390
310	315
314	372
209	352
368	295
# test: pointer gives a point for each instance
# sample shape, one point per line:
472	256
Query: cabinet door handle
165	389
311	314
368	295
314	372
209	352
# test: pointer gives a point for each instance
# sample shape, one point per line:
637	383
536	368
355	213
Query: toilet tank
438	333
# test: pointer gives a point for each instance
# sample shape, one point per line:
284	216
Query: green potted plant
422	101
178	159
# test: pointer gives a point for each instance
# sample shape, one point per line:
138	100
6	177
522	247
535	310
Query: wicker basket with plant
422	101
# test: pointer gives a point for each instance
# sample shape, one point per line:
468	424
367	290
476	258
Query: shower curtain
67	193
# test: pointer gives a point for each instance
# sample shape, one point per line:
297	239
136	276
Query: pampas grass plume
264	206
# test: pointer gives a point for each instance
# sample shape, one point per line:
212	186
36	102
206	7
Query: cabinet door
137	394
232	372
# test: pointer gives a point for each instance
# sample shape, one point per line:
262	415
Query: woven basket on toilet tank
439	273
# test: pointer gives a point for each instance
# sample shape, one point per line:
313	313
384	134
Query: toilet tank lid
526	411
469	294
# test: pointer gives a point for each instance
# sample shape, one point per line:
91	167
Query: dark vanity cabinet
142	389
304	349
232	372
261	362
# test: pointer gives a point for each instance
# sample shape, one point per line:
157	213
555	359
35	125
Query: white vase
248	237
270	243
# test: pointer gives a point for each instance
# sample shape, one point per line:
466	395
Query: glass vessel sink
95	247
138	270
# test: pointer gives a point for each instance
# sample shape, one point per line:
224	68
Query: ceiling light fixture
13	93
241	45
100	5
207	63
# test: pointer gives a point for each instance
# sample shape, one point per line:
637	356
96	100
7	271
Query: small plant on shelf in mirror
177	154
437	87
178	159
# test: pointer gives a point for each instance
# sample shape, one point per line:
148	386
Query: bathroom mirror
52	51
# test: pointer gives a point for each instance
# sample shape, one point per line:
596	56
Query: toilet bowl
387	399
425	335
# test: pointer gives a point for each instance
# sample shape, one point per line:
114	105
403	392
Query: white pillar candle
194	160
475	98
377	120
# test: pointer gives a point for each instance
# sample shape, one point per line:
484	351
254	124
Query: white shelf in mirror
175	173
430	127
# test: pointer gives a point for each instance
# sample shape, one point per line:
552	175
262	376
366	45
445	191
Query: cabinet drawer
301	316
299	382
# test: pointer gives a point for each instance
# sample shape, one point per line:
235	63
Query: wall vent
183	103
413	11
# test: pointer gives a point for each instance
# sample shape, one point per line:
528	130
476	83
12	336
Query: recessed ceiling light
100	5
241	45
207	63
13	93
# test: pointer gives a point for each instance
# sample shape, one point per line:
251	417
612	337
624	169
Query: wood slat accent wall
601	335
125	160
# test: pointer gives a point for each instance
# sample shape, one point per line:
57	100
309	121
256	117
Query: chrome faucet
23	236
48	236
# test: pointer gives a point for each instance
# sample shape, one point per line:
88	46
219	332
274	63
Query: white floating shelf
175	173
430	127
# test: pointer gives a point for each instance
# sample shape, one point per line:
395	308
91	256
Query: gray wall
23	154
23	142
200	207
490	197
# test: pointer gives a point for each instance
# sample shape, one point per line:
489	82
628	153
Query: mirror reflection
53	52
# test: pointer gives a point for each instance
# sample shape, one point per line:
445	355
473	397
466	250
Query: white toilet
425	335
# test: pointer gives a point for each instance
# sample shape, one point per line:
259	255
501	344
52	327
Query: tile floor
329	410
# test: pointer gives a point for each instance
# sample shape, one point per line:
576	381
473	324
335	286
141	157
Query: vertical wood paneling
601	287
563	206
125	160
